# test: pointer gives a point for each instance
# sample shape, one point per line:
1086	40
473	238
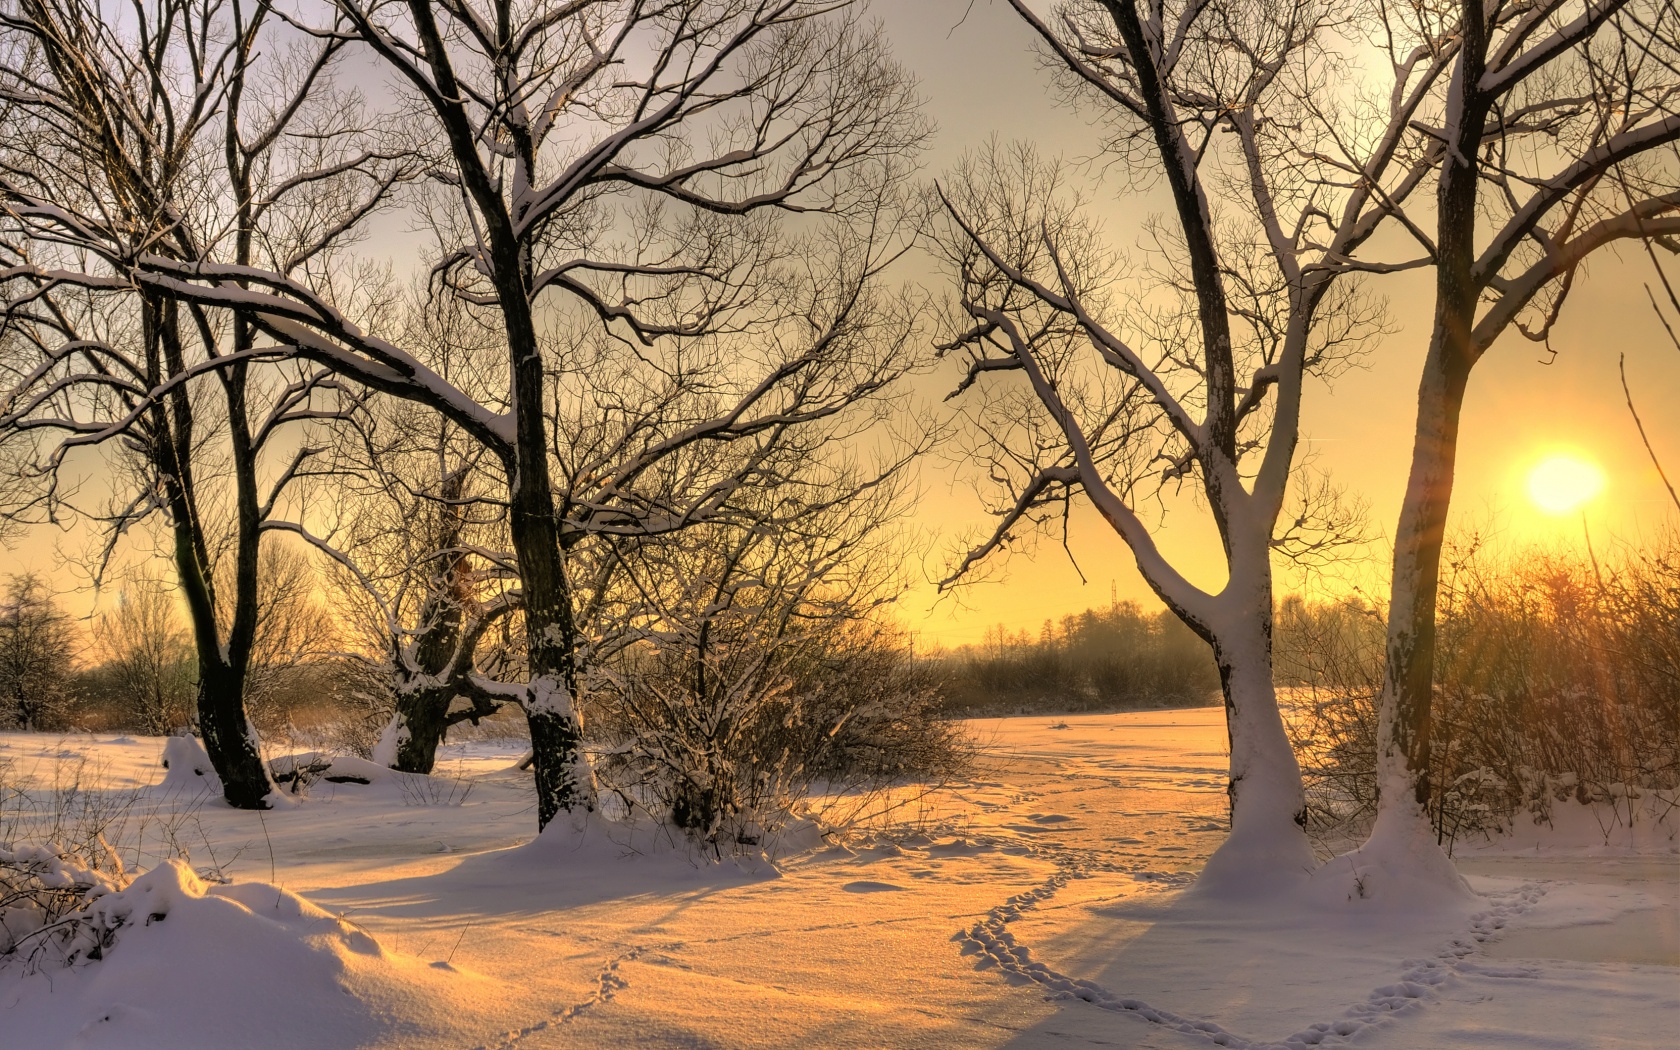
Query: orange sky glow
980	78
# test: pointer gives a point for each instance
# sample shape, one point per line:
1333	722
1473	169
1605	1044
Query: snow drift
173	962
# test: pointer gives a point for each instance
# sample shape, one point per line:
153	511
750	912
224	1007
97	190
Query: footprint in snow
865	886
1049	818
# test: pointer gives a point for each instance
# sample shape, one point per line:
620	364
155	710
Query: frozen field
1037	905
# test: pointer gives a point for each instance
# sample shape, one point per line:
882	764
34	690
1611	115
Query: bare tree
1189	368
622	161
148	657
420	552
36	654
1558	126
193	130
748	639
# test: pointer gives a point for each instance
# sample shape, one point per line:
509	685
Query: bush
56	858
1557	676
728	742
45	894
1328	664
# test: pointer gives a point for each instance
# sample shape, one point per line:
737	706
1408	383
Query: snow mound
187	767
321	775
184	964
1400	867
588	859
1254	866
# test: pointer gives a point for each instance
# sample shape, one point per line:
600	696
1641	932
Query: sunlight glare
1561	483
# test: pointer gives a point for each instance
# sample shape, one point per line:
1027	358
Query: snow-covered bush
47	907
1557	677
48	879
728	744
68	837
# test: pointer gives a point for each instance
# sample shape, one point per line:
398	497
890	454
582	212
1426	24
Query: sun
1564	482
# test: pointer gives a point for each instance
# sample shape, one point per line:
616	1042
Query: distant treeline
1101	659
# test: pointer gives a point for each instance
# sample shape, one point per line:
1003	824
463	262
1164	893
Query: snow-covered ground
1039	904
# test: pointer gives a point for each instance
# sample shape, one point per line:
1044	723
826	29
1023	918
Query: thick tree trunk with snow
1267	847
424	713
426	689
563	778
1404	708
565	782
418	728
1402	857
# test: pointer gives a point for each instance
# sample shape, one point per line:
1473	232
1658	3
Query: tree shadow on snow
1169	969
561	868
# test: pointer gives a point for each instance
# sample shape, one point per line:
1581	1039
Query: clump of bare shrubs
729	747
70	842
55	859
44	897
1557	678
759	672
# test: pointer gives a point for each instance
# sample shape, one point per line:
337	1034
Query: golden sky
980	76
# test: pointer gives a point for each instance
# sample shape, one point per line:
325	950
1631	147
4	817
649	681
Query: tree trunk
563	779
1401	847
420	724
562	774
1267	846
228	739
1405	706
423	699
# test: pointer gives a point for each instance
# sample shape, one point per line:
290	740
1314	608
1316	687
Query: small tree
148	656
36	654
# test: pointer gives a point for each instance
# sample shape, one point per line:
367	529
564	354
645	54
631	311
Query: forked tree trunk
421	720
228	739
1267	845
419	726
